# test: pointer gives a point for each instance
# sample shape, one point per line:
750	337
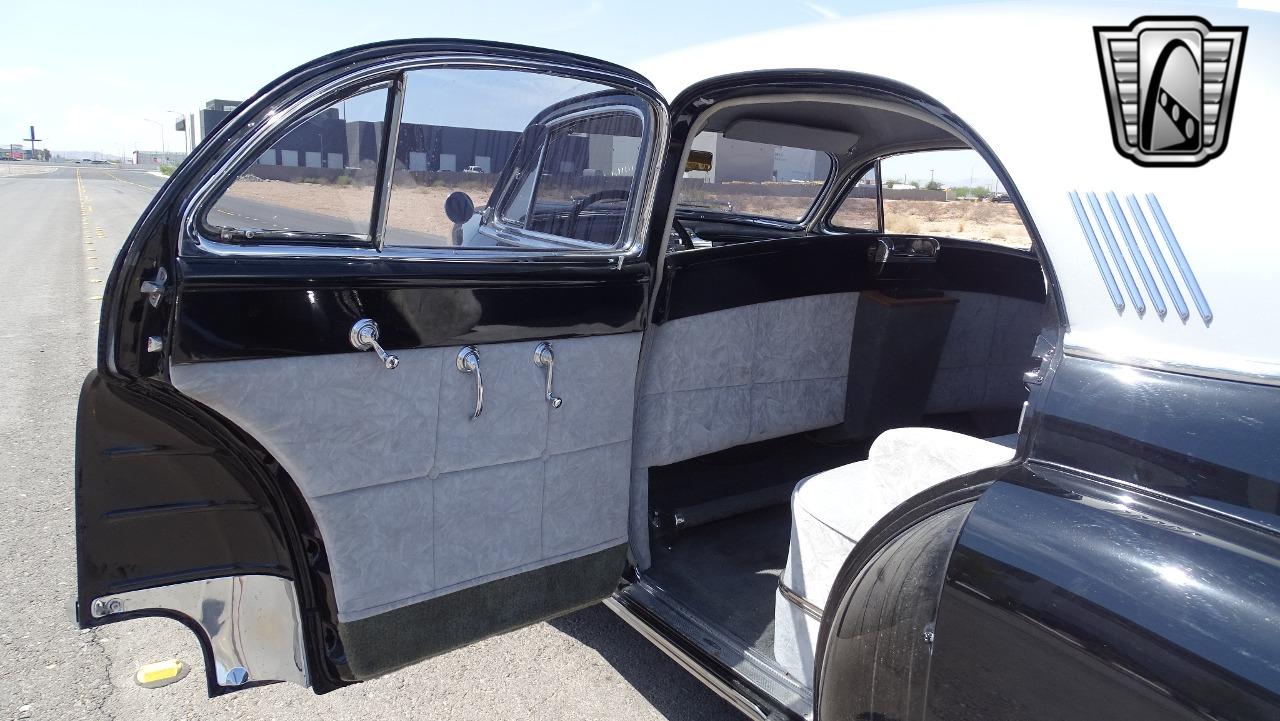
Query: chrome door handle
469	362
544	357
364	336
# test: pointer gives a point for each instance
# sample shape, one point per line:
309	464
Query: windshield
761	180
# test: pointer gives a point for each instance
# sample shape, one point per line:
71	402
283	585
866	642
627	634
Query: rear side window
316	180
762	180
944	193
860	209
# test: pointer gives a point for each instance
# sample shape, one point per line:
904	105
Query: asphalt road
59	233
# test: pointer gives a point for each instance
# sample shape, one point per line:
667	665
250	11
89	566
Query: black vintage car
840	455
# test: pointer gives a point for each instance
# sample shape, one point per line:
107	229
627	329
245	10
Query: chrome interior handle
469	362
364	336
544	357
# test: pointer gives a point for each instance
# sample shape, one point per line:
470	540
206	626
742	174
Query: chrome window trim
507	230
387	162
194	242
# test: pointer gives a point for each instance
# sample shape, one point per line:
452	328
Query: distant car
1001	198
473	169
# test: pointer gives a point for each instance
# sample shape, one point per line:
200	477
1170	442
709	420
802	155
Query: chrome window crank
364	336
469	362
544	357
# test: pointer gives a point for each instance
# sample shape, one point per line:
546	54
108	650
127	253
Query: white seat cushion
832	510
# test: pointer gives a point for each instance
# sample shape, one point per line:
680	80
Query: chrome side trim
1184	268
712	681
251	624
1094	247
1157	255
800	602
1122	266
1267	374
387	163
1148	282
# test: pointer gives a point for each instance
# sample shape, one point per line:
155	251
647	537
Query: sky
112	77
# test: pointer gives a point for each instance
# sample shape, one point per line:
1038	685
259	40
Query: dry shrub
901	224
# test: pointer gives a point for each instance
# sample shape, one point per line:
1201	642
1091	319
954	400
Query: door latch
154	288
469	362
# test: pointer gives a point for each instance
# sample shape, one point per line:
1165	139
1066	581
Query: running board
719	678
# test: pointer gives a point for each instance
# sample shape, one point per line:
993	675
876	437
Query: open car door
343	420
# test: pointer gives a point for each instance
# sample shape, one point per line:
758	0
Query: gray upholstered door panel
987	350
415	500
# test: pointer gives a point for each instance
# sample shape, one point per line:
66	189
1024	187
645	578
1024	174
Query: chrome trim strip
387	163
194	243
717	685
1101	260
1175	294
1122	266
1188	277
1149	282
251	624
799	601
1263	376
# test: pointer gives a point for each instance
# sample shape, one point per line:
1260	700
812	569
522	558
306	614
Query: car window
860	209
949	193
459	130
754	179
583	183
316	179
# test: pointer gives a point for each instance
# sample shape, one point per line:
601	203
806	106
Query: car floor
726	572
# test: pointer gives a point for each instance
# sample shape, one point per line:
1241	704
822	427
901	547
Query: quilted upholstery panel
413	499
336	422
721	379
987	350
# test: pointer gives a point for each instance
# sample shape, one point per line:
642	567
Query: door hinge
154	288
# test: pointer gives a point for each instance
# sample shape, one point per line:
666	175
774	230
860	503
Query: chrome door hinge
154	288
155	344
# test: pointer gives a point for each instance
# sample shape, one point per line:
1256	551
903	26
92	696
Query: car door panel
409	519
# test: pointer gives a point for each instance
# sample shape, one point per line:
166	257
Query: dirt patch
420	208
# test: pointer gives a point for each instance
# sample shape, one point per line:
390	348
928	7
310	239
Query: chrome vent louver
1095	223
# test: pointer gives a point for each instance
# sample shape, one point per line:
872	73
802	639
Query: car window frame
502	229
828	224
198	241
814	205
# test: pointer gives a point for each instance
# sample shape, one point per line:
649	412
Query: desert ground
420	209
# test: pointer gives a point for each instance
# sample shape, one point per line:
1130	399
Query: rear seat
832	510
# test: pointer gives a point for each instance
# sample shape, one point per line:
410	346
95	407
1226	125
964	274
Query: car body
606	381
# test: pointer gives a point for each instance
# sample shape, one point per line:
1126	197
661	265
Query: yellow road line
130	182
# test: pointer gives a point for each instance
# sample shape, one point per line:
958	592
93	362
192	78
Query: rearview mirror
698	160
459	207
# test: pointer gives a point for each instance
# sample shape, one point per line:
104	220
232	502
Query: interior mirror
459	207
698	160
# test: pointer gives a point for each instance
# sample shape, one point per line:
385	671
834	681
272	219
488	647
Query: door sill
755	689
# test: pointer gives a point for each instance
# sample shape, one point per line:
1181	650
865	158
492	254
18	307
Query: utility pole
31	138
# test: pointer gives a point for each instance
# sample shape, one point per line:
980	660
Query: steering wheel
592	199
686	240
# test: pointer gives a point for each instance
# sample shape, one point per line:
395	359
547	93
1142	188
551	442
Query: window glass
317	179
860	209
757	179
949	193
461	127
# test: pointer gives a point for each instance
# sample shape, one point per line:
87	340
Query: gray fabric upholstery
832	510
987	350
413	499
721	379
